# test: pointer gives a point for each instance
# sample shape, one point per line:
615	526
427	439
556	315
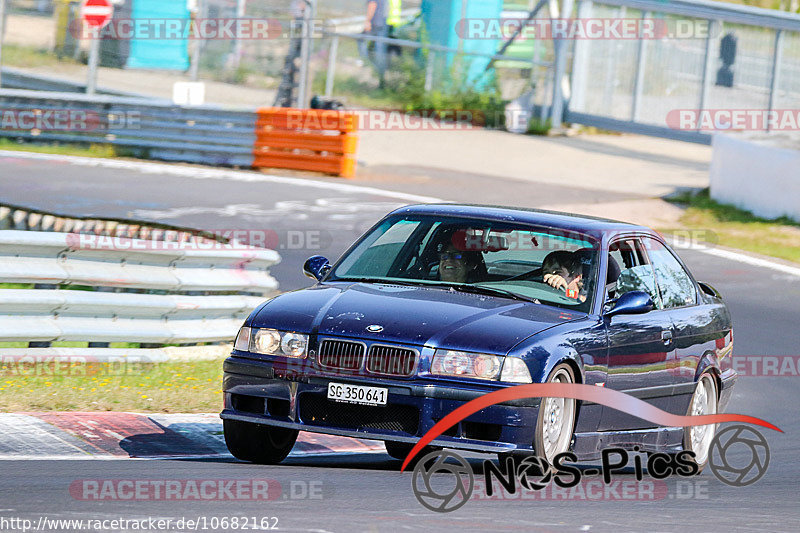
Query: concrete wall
757	172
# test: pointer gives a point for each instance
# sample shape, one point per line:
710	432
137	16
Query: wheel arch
708	363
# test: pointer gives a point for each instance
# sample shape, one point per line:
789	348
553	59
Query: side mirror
316	267
631	303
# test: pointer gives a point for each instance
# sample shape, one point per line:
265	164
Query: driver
456	266
563	270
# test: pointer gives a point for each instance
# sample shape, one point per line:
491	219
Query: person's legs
380	52
363	47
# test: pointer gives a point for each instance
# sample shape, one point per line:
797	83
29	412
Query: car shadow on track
365	461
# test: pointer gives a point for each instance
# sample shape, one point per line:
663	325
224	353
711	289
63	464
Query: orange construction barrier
306	139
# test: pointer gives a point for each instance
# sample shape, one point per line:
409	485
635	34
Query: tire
400	450
705	401
553	433
256	443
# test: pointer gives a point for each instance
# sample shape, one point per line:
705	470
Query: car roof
567	221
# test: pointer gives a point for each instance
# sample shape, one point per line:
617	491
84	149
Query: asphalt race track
366	492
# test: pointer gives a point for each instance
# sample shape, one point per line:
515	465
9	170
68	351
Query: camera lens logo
443	493
739	456
534	473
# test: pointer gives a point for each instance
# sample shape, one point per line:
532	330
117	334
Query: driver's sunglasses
457	256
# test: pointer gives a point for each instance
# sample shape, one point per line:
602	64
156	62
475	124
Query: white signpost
96	14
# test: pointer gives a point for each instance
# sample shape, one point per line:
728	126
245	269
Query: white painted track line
216	173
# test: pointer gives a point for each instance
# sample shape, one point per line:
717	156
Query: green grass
359	93
537	126
738	228
90	150
73	344
15	55
16	285
181	387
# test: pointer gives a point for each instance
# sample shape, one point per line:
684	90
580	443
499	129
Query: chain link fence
631	84
710	57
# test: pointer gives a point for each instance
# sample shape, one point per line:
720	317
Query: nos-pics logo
443	481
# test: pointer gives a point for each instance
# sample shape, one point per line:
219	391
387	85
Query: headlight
474	365
294	344
266	341
515	371
272	342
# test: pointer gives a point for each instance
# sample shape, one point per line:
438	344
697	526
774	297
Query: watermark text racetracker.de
609	28
220	28
220	239
206	489
766	365
734	119
26	365
59	120
596	490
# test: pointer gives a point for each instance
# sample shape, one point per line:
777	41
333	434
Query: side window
626	253
639	278
674	284
628	271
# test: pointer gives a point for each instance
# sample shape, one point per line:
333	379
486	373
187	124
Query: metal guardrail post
706	83
638	83
611	72
305	54
2	30
580	61
777	58
236	53
94	58
194	67
560	47
330	75
429	70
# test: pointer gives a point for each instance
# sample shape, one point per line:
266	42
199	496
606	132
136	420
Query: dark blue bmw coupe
439	304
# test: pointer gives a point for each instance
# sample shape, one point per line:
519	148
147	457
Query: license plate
342	392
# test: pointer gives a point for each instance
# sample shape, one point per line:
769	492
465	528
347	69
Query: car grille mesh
391	360
319	411
344	355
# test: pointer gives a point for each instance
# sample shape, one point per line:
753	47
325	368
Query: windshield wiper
378	280
475	289
492	291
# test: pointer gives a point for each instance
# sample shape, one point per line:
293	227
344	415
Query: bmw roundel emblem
375	328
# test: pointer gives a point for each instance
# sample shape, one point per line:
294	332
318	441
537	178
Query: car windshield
544	265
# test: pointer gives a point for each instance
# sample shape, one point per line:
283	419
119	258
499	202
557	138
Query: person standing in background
376	25
394	20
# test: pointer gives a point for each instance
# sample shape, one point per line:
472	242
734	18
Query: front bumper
255	392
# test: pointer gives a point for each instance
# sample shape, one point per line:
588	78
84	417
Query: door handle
666	336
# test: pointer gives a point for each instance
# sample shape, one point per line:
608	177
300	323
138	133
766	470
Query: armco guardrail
306	139
155	129
324	141
17	78
205	288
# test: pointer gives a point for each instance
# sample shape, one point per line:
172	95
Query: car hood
429	316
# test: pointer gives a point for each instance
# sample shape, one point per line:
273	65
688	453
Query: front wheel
256	443
705	401
556	420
